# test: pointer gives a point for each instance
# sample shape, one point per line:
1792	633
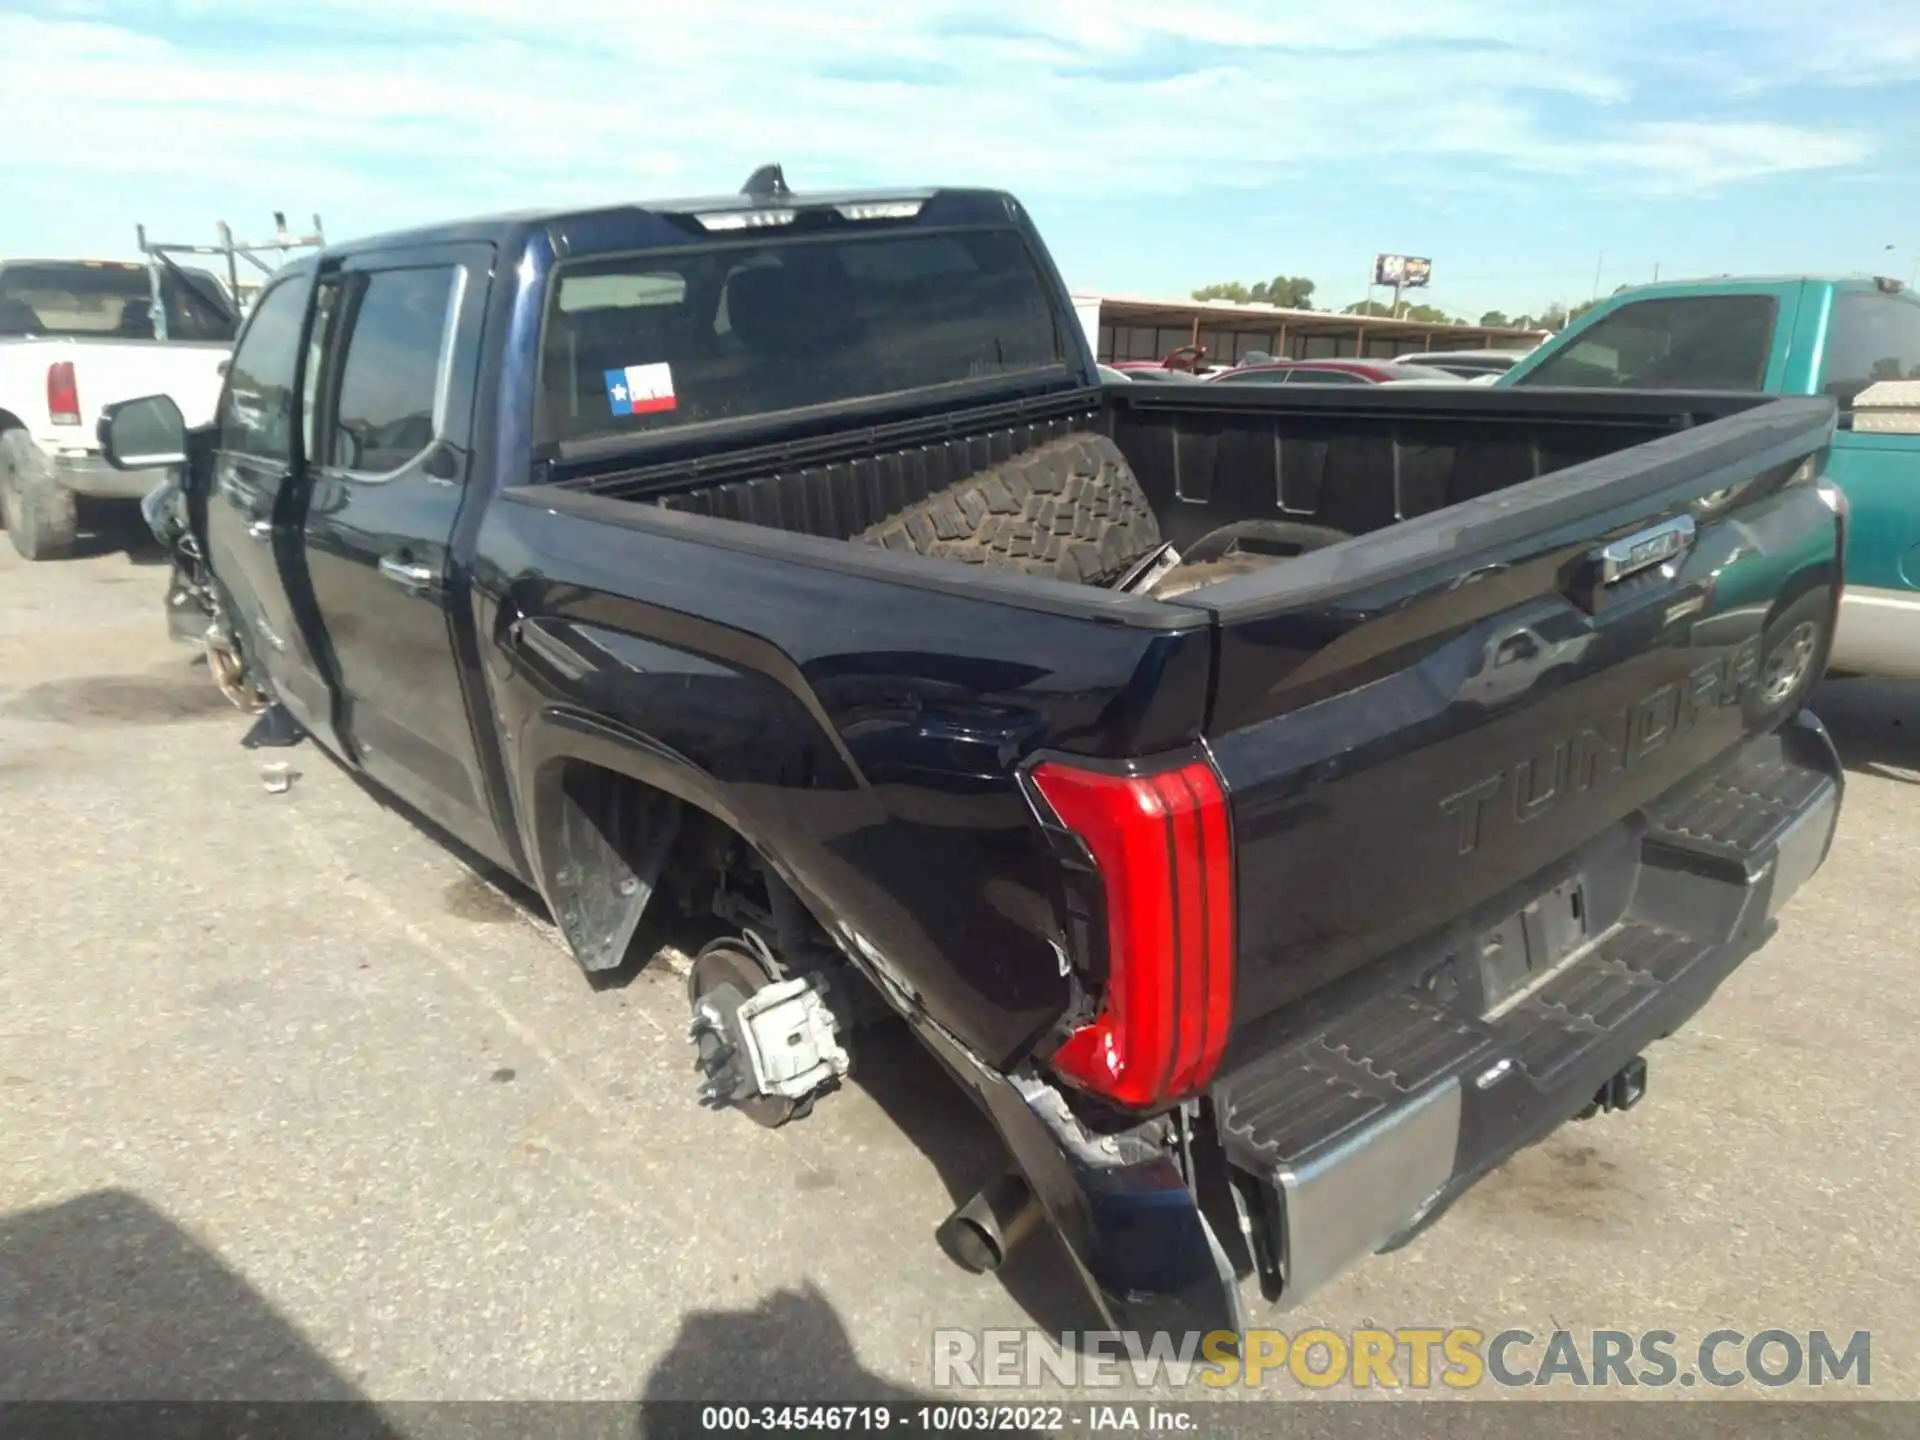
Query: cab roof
1723	284
765	189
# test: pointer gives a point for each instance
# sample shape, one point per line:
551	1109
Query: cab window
257	407
385	413
1871	337
1680	342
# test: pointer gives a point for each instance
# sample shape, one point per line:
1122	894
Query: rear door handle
408	574
261	529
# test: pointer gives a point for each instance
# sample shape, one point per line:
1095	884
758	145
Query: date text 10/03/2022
939	1419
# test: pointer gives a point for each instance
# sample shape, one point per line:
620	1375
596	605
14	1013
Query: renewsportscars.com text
1410	1358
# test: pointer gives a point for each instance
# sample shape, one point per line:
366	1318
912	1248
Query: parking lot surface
296	1105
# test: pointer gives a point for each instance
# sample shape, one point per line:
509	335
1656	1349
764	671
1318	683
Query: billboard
1402	272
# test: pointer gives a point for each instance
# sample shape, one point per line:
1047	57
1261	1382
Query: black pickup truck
781	562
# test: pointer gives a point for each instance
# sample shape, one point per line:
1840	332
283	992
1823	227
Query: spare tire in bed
1070	509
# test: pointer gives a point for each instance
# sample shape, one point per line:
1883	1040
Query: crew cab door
385	485
251	536
1873	336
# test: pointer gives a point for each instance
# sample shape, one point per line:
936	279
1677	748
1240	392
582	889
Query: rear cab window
1677	342
640	344
108	300
1871	337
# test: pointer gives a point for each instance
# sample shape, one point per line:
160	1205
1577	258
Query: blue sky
1161	144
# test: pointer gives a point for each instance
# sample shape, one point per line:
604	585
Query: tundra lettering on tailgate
1603	749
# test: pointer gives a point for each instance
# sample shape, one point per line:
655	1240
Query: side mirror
143	434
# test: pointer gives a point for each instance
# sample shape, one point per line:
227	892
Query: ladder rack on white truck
159	254
76	335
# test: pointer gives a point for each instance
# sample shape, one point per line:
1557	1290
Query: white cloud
398	110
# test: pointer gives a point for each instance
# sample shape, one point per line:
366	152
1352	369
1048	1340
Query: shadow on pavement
105	1300
1876	725
116	527
791	1348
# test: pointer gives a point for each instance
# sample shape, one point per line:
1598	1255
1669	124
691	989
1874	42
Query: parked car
1154	370
1332	372
74	335
776	561
1467	364
1799	335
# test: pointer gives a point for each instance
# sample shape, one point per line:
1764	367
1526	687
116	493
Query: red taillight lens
1163	849
63	396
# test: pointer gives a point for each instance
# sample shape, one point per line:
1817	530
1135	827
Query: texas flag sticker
641	389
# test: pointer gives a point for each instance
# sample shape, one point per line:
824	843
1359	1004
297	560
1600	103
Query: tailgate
109	370
1419	722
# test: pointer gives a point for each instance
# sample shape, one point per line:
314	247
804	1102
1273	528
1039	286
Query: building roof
1227	314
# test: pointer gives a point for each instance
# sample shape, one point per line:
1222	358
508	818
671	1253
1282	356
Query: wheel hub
1788	663
765	1044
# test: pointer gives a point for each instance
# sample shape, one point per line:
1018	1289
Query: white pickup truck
76	335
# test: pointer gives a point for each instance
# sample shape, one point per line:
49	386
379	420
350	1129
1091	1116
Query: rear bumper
1362	1131
1364	1123
92	476
1121	1206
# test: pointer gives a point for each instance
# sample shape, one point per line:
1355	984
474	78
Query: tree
1554	317
1425	314
1496	319
1585	305
1290	292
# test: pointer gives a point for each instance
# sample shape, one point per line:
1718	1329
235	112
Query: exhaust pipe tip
979	1235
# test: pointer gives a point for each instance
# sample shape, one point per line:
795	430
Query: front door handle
408	574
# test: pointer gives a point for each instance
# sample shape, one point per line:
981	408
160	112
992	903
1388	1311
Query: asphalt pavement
293	1104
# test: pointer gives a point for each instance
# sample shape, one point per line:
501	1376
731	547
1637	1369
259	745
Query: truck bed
1452	663
1357	460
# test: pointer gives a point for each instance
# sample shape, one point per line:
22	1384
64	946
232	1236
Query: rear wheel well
615	850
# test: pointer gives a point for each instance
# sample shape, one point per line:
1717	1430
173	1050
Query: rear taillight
1163	849
63	396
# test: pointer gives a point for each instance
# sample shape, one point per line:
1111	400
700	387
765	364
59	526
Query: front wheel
1793	651
42	517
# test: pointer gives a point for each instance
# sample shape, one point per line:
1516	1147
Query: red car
1331	372
1189	362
